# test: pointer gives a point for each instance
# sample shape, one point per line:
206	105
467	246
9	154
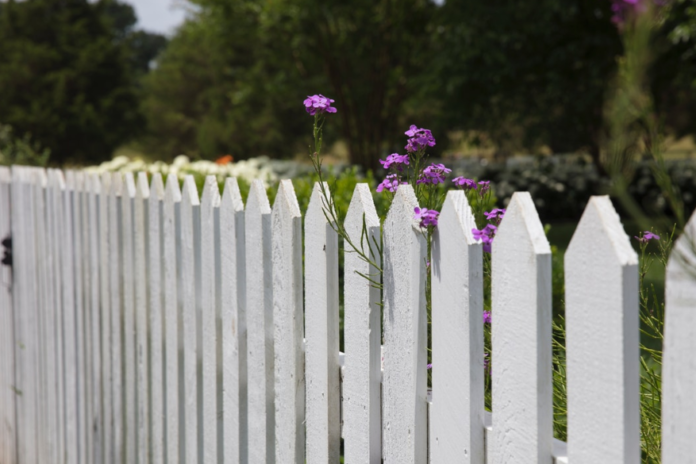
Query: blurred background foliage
493	79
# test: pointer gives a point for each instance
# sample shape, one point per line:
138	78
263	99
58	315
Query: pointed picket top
678	374
189	191
600	223
288	325
457	409
129	185
602	322
258	200
41	177
233	320
232	196
404	390
521	337
95	184
259	312
172	190
5	174
156	188
362	334
116	184
211	193
79	181
322	332
105	181
142	189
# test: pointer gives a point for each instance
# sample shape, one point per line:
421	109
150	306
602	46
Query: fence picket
71	379
52	315
81	344
601	275
232	287
190	217
95	426
156	319
259	311
44	438
456	412
210	203
105	208
56	186
678	373
404	392
7	337
140	216
116	274
171	249
362	335
521	337
288	323
322	325
130	424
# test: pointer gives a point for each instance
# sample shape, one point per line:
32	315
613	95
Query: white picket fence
140	324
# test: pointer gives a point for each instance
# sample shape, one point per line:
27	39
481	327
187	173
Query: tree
66	79
530	72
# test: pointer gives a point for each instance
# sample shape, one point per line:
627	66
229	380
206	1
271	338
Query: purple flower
495	215
394	158
646	237
391	183
427	217
429	366
486	317
486	236
433	174
622	10
463	182
484	186
319	104
419	138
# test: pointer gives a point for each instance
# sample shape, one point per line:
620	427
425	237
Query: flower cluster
486	236
396	160
319	104
390	183
433	174
487	317
419	139
623	10
646	236
463	182
426	217
495	215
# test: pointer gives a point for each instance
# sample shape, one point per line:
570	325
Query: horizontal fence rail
142	324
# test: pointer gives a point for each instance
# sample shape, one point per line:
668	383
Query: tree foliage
66	77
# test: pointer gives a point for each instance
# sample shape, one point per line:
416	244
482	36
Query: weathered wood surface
116	290
259	312
140	255
209	208
232	287
190	244
7	344
602	340
362	334
404	426
130	424
322	324
456	412
105	235
156	292
521	337
679	367
288	324
171	263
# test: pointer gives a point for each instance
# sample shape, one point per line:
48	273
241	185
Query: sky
161	16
